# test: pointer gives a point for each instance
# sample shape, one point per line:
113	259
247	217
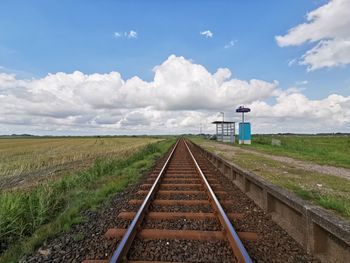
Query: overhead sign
242	109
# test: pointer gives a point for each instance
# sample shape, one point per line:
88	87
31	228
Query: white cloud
129	35
328	53
117	34
302	82
328	26
132	34
207	33
294	112
292	62
181	95
232	43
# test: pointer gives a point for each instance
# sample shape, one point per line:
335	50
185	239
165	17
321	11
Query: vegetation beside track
329	150
328	191
29	217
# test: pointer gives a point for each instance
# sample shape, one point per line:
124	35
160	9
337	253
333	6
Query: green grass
333	192
329	150
327	191
28	218
337	203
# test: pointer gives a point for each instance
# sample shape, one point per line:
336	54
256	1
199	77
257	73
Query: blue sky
41	37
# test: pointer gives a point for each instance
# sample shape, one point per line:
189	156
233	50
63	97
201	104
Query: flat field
31	215
330	150
27	160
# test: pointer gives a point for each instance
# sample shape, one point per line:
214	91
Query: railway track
182	212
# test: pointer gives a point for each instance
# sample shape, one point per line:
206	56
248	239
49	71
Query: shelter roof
220	122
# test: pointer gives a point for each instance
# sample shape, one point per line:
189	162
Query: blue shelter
244	127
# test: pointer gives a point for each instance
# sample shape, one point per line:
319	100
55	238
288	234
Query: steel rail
131	232
239	250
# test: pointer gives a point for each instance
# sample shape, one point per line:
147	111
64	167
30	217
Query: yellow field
21	157
34	212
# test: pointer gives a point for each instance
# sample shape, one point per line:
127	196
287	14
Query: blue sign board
244	133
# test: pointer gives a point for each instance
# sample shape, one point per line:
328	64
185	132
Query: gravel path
192	208
182	251
184	224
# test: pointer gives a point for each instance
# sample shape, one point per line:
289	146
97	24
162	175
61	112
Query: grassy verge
28	218
329	150
330	192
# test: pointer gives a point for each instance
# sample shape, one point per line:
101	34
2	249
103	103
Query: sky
89	67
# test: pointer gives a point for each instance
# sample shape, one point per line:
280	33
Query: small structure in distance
225	131
244	127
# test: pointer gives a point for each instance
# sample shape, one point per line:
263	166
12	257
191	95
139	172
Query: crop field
25	160
98	168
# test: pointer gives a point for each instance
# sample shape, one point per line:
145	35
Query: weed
78	237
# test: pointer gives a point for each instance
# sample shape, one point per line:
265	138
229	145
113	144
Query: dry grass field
27	160
67	176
